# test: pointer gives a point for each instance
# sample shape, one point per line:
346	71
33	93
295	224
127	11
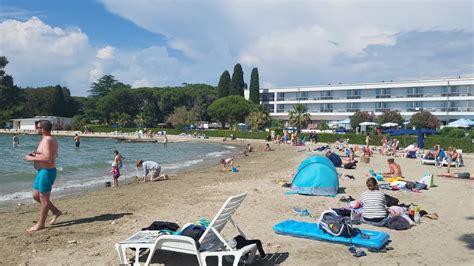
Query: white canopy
462	123
390	124
368	124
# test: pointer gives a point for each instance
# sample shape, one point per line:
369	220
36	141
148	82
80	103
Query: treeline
111	101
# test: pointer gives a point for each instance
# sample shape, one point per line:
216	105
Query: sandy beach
94	221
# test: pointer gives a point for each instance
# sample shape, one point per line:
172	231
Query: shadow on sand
469	240
177	259
98	218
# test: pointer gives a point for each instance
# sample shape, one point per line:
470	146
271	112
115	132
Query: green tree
105	85
11	97
390	117
230	109
277	124
181	117
118	101
254	87
323	125
360	117
299	116
237	83
124	119
424	119
140	120
259	117
223	87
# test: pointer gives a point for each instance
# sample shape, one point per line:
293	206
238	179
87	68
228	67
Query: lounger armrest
177	243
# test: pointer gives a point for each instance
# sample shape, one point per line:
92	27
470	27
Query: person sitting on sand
394	169
227	163
152	169
463	175
267	147
373	201
337	160
249	148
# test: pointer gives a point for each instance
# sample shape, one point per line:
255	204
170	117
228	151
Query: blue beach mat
364	238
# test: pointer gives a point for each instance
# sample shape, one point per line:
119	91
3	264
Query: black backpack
333	224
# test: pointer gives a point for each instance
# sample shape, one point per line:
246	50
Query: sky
147	43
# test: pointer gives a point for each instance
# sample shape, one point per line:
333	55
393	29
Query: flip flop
433	216
356	253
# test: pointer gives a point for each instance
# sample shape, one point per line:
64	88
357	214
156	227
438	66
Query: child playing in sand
228	164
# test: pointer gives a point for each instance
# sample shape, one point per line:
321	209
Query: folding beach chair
455	163
211	243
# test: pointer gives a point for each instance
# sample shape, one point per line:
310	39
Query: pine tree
254	87
237	83
224	85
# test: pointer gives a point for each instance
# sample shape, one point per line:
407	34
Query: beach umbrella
390	124
368	124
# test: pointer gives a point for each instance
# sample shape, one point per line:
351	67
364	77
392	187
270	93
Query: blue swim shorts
44	180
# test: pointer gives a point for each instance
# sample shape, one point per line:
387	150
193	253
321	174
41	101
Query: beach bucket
234	169
379	177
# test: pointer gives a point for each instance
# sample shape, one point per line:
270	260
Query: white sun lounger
212	243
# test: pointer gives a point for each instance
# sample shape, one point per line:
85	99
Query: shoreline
95	221
126	180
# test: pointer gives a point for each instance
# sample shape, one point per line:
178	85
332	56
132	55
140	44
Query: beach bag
194	231
335	225
411	154
398	223
160	225
391	201
350	165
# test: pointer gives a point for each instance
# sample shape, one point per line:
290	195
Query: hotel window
302	96
326	107
415	92
352	107
280	108
267	97
280	96
453	91
353	94
414	106
269	107
382	93
380	107
326	95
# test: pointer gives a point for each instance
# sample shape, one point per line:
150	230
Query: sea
87	167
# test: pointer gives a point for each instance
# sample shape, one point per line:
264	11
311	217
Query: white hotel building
449	99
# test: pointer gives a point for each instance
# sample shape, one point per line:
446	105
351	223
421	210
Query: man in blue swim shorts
44	159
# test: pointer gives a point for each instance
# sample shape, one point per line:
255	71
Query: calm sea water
88	166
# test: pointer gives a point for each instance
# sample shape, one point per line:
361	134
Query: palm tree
258	118
140	120
299	116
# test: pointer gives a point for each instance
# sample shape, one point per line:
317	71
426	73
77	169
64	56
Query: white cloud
106	53
291	42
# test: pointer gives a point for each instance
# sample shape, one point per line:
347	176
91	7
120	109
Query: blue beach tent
316	176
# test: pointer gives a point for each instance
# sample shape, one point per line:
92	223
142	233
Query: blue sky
293	43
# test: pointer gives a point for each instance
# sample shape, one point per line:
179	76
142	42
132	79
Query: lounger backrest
222	217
